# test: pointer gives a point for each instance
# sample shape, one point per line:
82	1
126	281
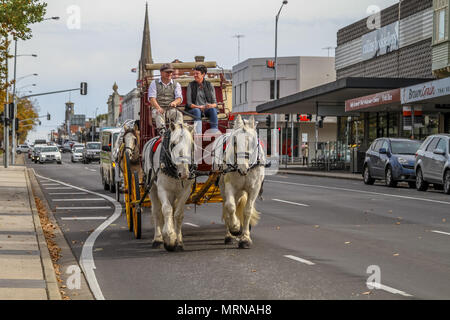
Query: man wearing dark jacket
201	100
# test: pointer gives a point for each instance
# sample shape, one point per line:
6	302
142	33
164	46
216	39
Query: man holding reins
164	96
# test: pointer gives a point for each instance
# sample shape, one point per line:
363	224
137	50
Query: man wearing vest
201	100
165	95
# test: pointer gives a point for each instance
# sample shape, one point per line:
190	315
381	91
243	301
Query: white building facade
253	85
131	105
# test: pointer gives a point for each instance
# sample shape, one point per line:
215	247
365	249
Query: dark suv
433	163
92	152
391	160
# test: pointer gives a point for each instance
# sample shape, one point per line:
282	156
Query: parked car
433	163
23	148
391	160
108	168
77	155
50	154
92	152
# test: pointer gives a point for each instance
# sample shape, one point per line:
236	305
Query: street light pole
275	66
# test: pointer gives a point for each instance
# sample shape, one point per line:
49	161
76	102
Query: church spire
146	51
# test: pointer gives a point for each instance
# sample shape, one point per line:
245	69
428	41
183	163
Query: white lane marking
289	202
59	188
83	218
388	289
50	184
300	260
87	257
86	199
359	191
441	232
93	170
67	193
191	224
83	208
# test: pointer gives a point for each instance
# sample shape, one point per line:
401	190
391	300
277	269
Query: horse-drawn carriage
140	148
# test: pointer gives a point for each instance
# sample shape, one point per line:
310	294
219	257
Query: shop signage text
429	90
374	100
380	42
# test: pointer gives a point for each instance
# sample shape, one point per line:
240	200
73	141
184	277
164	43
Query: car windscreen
78	150
96	146
115	136
49	149
405	147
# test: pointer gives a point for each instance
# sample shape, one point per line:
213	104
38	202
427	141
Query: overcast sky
107	44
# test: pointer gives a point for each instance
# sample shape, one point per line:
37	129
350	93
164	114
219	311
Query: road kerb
321	174
47	264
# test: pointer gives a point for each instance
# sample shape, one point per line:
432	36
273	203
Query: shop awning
330	98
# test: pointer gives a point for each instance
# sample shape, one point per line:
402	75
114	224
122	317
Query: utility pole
6	112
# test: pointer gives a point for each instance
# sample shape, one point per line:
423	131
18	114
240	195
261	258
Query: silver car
77	155
432	164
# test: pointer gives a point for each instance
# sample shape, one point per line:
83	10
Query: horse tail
255	215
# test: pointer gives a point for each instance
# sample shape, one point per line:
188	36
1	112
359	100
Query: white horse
169	171
243	163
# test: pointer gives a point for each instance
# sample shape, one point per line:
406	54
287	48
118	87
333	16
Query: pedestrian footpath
26	269
307	171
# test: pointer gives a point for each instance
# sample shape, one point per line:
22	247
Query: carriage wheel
127	195
136	208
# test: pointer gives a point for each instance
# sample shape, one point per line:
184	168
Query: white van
108	169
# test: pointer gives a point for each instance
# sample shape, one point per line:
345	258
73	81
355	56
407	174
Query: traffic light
270	64
268	121
48	116
11	111
310	117
286	117
299	117
83	88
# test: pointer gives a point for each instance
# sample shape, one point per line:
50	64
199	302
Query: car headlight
402	161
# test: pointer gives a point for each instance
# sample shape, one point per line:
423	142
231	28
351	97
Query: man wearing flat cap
164	96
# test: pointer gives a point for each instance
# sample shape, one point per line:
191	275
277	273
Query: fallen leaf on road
98	249
397	223
278	228
396	254
367	293
390	211
253	270
316	226
348	242
444	220
63	286
74	241
213	222
9	236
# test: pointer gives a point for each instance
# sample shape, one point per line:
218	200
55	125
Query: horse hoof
244	244
179	248
156	244
228	240
169	248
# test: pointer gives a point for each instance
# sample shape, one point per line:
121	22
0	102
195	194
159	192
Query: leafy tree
16	16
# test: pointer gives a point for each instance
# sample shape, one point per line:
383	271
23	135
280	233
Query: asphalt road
318	238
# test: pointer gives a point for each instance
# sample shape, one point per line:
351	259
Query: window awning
331	97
